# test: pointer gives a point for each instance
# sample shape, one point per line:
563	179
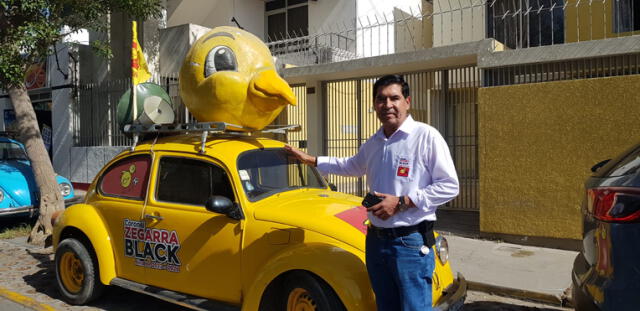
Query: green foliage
102	49
29	28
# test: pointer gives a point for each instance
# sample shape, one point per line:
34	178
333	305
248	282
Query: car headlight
65	189
442	249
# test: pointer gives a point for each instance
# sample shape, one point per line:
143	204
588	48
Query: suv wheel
77	272
303	291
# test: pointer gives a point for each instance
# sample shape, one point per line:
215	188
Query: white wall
61	108
250	15
331	15
5	103
175	43
380	40
457	21
207	13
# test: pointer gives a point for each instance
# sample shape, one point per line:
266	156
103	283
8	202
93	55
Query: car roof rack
206	128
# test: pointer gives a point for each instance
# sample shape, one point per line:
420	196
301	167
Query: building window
626	15
526	23
287	19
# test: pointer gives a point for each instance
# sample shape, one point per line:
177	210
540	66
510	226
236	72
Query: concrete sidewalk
508	269
536	273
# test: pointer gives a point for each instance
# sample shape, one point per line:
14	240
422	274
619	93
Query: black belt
425	228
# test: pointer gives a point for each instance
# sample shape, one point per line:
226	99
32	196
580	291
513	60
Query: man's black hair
391	79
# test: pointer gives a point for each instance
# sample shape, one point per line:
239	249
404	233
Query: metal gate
446	99
295	115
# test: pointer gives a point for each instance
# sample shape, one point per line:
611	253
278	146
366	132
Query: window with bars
526	23
626	15
286	19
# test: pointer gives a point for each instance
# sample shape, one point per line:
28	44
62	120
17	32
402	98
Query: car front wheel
77	272
305	292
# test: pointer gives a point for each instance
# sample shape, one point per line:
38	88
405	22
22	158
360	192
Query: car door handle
153	217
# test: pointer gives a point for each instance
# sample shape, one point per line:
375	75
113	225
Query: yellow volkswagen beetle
222	222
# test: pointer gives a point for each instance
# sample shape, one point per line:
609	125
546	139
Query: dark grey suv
606	273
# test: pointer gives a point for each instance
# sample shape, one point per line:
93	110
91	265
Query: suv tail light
614	204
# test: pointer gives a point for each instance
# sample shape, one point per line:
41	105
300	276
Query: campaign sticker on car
151	248
244	175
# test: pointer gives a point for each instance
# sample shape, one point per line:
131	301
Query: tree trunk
50	197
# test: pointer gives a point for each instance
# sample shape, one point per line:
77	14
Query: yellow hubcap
71	272
300	300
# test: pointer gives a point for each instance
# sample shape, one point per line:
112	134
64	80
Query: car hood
333	214
16	178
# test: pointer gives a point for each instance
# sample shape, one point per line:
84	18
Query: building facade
528	94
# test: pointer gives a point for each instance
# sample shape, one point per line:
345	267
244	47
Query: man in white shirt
408	165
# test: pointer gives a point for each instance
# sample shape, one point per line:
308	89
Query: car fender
348	276
86	218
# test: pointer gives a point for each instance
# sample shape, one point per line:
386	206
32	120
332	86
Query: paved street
29	272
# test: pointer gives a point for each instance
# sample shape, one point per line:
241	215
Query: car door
191	249
121	191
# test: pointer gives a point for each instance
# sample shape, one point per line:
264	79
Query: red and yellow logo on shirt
403	171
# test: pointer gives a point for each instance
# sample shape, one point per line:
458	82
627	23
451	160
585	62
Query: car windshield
268	171
12	151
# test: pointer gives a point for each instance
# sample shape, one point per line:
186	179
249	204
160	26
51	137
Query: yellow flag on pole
139	71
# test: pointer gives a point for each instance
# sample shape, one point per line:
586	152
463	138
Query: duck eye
220	58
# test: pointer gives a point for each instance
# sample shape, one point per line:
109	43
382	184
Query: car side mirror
333	187
599	165
222	205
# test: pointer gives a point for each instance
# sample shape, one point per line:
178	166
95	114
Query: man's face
391	106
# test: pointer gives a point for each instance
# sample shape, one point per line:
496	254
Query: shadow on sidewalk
43	281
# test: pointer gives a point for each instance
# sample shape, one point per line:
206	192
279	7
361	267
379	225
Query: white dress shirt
414	161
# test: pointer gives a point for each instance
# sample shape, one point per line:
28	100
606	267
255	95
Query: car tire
77	273
303	291
581	302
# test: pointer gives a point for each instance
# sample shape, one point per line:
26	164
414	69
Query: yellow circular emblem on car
125	179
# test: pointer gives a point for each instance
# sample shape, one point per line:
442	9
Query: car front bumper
11	211
31	210
454	296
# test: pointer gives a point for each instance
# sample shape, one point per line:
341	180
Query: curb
24	301
520	293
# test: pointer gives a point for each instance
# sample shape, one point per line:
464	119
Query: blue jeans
400	274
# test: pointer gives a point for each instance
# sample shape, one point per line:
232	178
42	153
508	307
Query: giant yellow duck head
229	76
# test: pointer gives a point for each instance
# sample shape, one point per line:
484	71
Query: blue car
18	188
606	273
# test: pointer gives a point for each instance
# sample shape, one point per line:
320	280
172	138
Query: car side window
189	181
127	178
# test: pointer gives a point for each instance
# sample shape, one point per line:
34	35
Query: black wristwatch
401	205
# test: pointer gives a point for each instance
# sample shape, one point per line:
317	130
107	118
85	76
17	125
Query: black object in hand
371	199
